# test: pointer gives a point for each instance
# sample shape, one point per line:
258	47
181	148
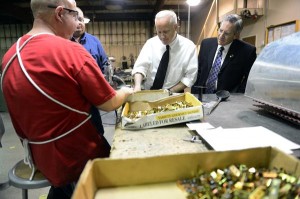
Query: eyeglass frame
67	9
226	34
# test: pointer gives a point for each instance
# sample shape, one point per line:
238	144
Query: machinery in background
274	80
114	80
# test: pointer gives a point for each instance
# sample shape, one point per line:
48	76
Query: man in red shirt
50	85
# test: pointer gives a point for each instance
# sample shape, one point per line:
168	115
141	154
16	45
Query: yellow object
195	112
43	196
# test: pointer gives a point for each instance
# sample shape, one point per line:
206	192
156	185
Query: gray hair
41	6
79	11
236	20
167	13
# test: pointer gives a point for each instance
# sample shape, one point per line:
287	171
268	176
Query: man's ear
58	13
236	36
175	27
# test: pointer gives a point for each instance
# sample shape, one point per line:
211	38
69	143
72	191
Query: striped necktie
214	71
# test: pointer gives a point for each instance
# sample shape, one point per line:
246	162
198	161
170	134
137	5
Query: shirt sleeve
93	84
190	76
143	62
103	59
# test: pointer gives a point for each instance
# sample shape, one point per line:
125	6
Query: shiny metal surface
275	75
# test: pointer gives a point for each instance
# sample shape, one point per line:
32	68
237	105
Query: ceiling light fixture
191	3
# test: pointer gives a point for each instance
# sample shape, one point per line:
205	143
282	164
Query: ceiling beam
14	13
158	6
130	16
136	8
119	16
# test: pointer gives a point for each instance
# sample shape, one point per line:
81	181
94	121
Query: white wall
131	37
275	12
123	38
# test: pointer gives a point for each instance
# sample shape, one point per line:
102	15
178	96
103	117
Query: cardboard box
162	118
148	95
155	177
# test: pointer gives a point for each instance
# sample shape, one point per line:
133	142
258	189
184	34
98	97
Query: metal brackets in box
162	118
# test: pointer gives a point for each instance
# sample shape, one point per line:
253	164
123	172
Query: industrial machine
274	80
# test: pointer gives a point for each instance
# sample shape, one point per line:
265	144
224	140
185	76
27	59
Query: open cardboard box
148	95
162	118
155	177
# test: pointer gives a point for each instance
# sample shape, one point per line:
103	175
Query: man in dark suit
236	59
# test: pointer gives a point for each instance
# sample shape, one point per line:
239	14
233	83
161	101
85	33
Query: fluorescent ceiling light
193	2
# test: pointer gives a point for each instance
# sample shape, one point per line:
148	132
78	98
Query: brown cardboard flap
116	173
148	95
157	191
121	172
279	159
87	186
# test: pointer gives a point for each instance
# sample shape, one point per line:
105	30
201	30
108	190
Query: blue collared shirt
95	48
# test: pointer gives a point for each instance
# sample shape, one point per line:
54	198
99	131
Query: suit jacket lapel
230	55
211	54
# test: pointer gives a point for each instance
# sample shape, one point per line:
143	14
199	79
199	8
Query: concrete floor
12	152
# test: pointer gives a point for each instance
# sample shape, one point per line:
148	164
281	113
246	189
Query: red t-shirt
68	73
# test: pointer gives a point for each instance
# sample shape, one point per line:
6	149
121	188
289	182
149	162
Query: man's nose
222	34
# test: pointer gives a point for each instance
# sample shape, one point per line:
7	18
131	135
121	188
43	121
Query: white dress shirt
182	67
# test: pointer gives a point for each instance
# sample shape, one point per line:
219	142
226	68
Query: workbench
238	111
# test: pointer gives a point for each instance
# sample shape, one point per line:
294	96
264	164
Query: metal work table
238	111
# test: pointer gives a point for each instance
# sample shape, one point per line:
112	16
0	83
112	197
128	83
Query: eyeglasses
165	32
75	15
226	34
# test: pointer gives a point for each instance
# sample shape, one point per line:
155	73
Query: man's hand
116	101
127	90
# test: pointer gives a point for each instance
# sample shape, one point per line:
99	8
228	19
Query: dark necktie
214	71
161	71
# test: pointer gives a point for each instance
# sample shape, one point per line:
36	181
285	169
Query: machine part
280	112
274	79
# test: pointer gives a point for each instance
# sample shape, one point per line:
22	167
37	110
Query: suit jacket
235	69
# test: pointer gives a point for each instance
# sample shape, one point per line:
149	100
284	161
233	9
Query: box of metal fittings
251	173
166	111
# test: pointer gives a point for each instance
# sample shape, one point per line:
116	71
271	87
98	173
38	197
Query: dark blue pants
64	192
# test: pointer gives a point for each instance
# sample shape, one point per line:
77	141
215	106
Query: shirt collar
226	47
173	43
82	39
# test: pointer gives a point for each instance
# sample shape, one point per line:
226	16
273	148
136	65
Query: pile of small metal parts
167	107
281	112
241	182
